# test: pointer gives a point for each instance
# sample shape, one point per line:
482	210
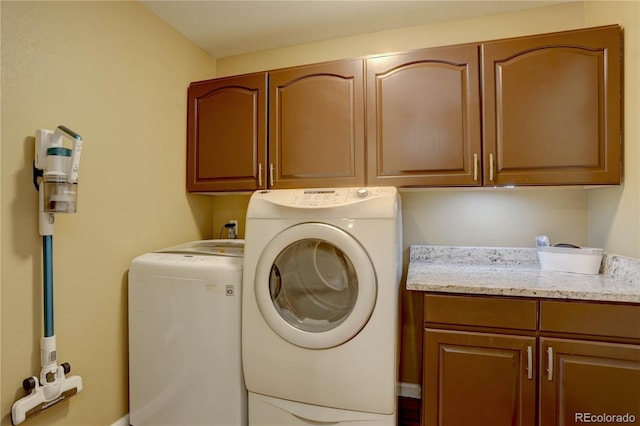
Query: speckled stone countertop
516	272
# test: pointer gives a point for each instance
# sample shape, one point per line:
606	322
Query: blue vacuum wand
47	267
55	175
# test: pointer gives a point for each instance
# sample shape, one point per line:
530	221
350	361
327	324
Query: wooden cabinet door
316	125
423	118
478	379
226	134
580	380
551	108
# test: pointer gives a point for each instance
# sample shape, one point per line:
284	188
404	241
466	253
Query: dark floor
409	411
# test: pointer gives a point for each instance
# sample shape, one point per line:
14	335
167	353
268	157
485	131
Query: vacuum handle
74	166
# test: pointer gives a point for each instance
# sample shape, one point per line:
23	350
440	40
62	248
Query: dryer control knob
362	193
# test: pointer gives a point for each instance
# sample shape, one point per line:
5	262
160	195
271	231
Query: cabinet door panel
226	133
552	108
423	117
317	125
588	379
478	379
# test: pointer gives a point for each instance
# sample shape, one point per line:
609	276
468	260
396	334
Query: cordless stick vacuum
55	176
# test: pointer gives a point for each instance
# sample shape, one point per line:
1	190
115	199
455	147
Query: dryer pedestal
269	411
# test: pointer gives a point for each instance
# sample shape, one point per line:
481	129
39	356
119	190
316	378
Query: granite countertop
516	272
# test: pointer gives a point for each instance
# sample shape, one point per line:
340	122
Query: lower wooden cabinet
478	379
588	382
498	361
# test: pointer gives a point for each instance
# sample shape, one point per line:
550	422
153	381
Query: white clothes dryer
320	305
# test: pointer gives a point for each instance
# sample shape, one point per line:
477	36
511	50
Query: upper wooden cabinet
315	134
316	125
423	118
536	110
551	108
226	133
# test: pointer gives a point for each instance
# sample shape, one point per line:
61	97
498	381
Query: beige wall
608	217
614	213
534	21
116	74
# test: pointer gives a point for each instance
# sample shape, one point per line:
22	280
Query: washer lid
315	285
231	248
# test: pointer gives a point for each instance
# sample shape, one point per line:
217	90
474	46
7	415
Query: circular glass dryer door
315	285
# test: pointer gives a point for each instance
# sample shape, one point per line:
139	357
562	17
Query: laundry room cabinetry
423	118
290	128
589	362
227	133
552	108
550	112
479	353
534	110
582	357
316	125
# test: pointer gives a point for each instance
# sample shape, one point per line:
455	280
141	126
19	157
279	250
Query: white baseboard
123	421
409	390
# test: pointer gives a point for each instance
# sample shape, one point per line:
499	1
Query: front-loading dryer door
315	285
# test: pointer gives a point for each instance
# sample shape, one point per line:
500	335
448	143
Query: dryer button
362	193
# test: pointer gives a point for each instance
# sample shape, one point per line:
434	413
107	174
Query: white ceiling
228	28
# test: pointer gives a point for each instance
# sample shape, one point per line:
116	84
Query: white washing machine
320	306
184	336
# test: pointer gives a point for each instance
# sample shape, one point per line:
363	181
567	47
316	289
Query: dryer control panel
326	197
323	203
318	197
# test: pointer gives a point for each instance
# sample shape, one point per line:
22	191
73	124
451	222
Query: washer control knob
362	193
